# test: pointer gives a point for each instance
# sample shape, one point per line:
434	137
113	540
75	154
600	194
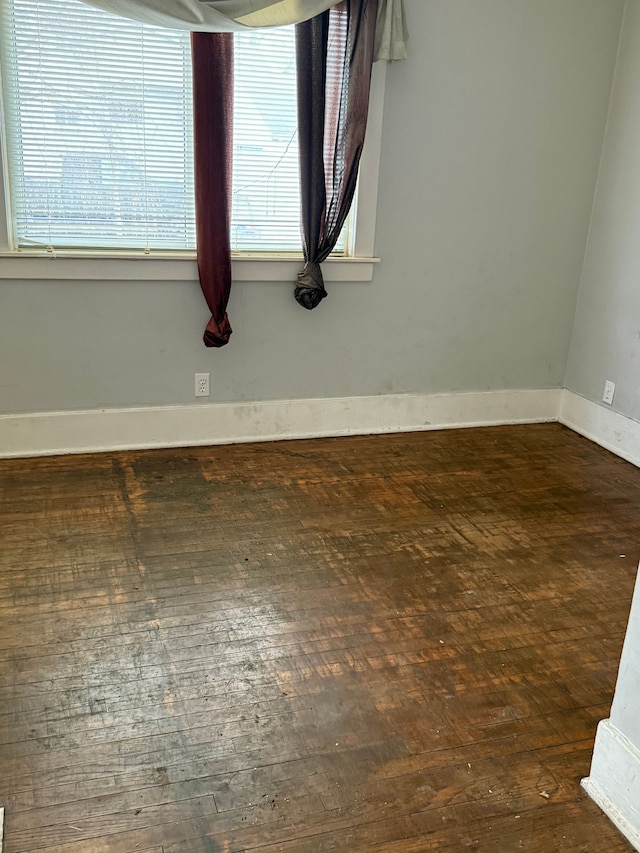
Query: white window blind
266	191
97	114
98	129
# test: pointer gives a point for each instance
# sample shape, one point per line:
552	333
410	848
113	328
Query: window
74	168
99	136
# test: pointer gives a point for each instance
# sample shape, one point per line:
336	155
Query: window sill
117	266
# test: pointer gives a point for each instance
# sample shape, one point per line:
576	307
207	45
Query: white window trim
77	265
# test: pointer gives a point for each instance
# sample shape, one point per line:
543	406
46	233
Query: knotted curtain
336	43
334	54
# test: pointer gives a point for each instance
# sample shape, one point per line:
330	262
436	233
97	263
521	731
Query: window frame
119	265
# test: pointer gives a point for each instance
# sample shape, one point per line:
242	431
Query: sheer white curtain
234	15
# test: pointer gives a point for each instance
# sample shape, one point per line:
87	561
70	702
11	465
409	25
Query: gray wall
492	137
606	336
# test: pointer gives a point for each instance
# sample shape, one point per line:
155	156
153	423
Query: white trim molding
614	781
167	266
47	433
609	429
50	433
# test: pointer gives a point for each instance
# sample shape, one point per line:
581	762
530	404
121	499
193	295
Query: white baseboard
609	429
614	781
49	433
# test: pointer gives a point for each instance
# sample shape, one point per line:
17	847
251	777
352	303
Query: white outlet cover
609	391
201	384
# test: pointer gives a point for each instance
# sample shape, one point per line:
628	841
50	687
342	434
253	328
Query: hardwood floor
396	643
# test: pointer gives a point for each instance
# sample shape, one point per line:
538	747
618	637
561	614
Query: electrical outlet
202	384
609	391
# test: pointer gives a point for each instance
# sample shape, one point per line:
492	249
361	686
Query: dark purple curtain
212	57
334	56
